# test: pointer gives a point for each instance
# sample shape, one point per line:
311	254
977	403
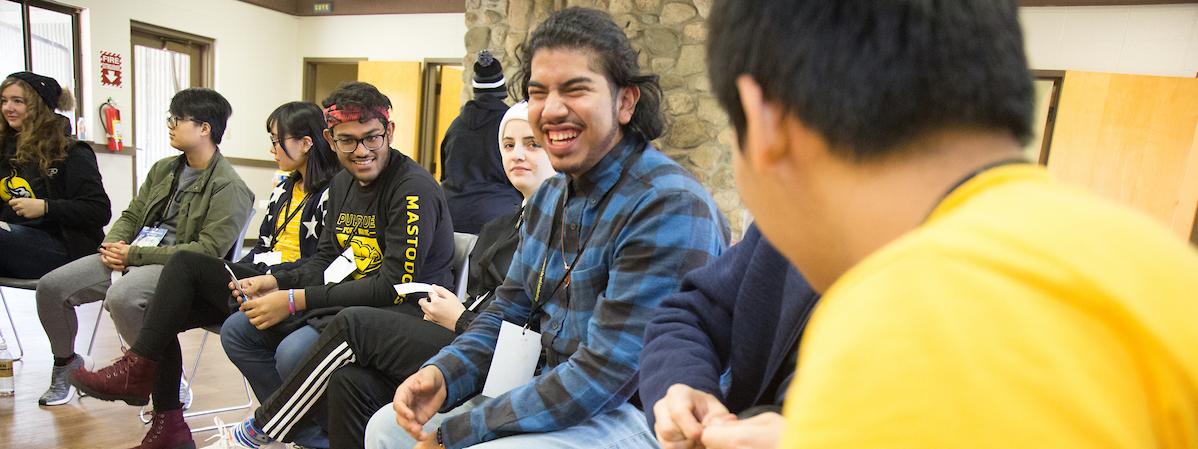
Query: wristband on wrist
291	301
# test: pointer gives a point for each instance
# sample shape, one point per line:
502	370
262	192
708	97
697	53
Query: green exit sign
322	8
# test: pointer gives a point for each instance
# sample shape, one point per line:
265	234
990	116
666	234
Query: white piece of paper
478	301
412	287
4	225
341	267
270	258
514	361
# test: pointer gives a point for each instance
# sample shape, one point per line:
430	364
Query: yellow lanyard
541	279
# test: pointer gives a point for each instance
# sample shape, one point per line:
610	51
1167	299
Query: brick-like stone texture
671	36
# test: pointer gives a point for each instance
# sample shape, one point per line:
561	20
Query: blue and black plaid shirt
658	224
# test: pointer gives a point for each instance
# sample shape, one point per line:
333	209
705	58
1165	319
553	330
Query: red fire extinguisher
111	117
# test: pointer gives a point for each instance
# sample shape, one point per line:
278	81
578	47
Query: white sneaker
61	391
226	439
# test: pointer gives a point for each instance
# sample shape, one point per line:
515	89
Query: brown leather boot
168	431
129	379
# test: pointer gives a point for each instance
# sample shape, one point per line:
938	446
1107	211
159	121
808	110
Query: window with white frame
41	37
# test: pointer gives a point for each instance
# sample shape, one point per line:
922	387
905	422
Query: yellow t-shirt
1023	314
288	240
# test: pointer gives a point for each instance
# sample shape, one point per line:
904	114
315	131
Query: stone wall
670	36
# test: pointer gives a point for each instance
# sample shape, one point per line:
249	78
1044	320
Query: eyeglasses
350	145
172	121
277	143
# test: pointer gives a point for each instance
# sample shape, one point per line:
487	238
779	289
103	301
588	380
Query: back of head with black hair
356	98
204	105
871	75
299	119
613	56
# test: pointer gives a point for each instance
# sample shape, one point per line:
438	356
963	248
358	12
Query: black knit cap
45	87
488	76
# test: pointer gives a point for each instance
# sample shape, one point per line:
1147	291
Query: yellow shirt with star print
288	240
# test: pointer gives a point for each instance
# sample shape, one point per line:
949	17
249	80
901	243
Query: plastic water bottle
6	380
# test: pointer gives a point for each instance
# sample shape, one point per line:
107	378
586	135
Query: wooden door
399	81
1131	138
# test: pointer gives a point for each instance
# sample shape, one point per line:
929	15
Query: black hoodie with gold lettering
399	230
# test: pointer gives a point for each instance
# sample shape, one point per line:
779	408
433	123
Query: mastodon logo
367	255
15	187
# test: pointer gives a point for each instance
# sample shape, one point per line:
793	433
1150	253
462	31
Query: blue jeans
622	428
29	253
266	357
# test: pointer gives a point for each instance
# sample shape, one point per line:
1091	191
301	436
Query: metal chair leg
16	335
145	414
96	327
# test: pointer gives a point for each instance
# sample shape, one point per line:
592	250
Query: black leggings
192	292
360	358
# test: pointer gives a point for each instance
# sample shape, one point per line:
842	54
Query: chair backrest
235	252
462	245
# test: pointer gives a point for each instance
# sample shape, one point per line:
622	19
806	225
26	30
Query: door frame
309	70
431	75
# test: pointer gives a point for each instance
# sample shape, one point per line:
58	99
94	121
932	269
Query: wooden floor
91	423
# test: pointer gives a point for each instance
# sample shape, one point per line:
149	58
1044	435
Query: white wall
391	37
252	47
1144	40
254	58
258	56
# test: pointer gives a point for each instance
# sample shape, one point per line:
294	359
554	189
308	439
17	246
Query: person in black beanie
52	196
472	176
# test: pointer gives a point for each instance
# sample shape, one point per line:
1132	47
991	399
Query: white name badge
270	258
412	287
149	236
514	361
341	267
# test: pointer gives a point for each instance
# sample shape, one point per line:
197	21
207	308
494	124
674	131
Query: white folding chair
23	284
462	245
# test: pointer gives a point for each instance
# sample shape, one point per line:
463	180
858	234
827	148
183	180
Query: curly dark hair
359	97
589	29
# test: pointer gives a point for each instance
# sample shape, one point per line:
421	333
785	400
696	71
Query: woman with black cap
54	204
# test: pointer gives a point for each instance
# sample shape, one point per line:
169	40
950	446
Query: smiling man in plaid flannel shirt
639	220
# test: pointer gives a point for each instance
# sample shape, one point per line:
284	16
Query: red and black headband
335	115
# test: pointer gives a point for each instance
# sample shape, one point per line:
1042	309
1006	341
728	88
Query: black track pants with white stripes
359	360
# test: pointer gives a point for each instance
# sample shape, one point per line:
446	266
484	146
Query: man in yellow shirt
969	299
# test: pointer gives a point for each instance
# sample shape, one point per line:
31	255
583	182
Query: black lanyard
171	198
274	237
374	204
537	304
974	174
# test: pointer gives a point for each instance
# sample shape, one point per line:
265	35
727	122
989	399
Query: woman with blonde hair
54	204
